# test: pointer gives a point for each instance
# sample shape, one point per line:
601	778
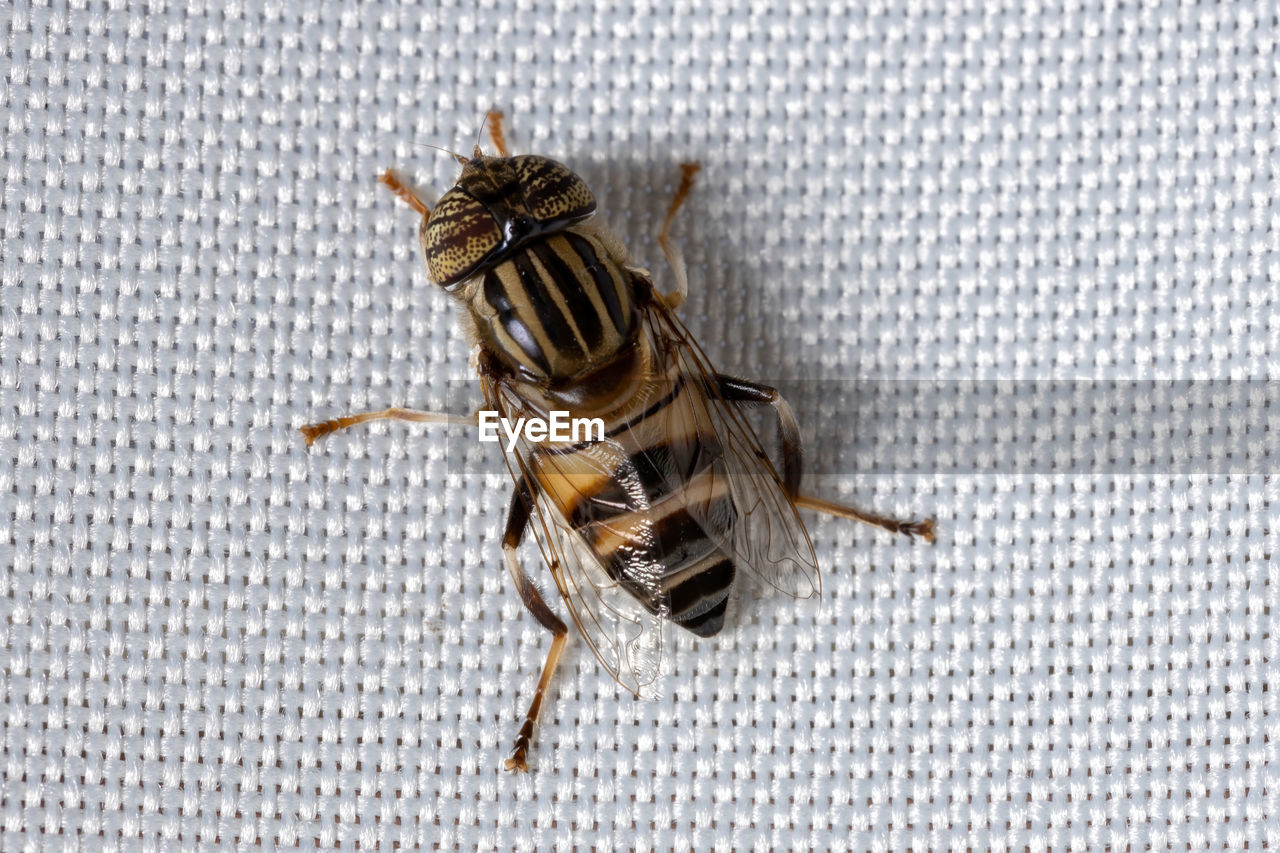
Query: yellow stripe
568	480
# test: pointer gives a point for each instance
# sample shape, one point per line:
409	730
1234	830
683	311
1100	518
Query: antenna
454	154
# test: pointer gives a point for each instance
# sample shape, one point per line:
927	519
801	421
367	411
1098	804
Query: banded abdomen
557	306
654	504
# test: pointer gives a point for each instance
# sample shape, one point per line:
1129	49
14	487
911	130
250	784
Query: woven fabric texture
212	636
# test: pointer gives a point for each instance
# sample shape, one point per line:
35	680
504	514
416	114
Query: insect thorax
556	307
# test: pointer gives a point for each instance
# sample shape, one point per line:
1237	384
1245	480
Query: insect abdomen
671	539
658	522
557	306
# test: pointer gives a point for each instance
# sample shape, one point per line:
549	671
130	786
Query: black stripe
707	624
626	425
697	603
649	412
496	295
549	316
681	539
696	594
575	297
600	273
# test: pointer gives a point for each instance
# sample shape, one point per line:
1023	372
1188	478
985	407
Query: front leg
675	260
311	432
517	523
743	391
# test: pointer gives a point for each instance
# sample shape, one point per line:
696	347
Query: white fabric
211	635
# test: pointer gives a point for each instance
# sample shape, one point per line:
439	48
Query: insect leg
517	523
403	192
743	391
923	529
676	298
494	120
313	431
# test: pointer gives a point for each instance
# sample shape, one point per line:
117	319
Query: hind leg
742	391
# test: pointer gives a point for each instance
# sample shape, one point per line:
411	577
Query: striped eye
552	192
460	234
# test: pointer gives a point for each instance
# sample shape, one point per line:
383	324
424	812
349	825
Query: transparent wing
622	618
769	539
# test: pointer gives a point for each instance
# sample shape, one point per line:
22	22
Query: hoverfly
654	522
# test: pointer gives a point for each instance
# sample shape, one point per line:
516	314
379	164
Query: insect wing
626	636
769	538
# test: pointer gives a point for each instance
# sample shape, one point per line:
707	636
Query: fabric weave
214	637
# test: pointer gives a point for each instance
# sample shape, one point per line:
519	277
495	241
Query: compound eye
551	191
458	237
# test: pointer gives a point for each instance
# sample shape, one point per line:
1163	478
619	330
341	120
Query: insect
652	523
